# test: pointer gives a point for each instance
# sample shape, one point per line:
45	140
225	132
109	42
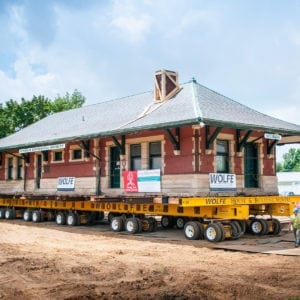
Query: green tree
17	115
68	102
291	160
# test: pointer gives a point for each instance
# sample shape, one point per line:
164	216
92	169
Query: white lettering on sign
222	181
271	136
42	148
66	183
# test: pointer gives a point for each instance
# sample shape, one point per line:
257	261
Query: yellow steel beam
220	201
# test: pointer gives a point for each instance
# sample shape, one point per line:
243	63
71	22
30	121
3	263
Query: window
10	167
135	157
76	154
222	156
57	156
20	168
155	155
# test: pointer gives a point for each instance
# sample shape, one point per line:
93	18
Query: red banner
130	181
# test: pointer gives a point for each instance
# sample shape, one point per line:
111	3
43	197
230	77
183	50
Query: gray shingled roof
193	103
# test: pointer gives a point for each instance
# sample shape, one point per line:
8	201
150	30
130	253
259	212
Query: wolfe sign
222	182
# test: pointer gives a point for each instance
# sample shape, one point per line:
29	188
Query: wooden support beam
85	145
121	145
211	138
175	139
271	145
241	144
86	148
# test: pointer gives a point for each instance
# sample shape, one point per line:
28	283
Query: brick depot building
184	133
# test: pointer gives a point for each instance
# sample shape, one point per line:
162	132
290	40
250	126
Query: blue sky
246	50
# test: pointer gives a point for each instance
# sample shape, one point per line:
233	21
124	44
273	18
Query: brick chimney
166	85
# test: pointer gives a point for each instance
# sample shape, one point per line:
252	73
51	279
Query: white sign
222	182
148	180
271	136
66	183
42	148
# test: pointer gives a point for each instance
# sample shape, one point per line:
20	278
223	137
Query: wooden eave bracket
241	144
22	156
210	138
271	145
85	145
175	139
121	145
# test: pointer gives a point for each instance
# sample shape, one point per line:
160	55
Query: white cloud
129	22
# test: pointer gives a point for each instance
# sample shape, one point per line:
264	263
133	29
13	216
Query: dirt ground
47	262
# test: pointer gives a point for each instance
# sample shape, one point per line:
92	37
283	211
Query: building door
114	167
38	170
251	166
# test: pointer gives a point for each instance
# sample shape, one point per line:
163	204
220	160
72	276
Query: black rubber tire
276	227
223	231
265	226
201	229
2	213
166	222
213	233
132	225
60	218
147	225
117	224
192	230
27	215
72	219
180	222
36	216
154	223
243	225
10	214
236	230
51	216
139	224
110	216
258	227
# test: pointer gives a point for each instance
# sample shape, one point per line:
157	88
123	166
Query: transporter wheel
147	225
2	213
60	218
37	216
213	233
243	225
166	222
223	231
154	223
72	219
10	213
139	221
192	230
235	230
110	216
117	224
51	216
258	227
132	225
180	222
201	227
276	226
27	215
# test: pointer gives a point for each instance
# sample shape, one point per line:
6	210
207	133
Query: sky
248	51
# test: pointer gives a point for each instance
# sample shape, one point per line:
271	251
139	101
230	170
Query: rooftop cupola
166	85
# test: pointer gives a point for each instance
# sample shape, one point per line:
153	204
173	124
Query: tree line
15	115
291	161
